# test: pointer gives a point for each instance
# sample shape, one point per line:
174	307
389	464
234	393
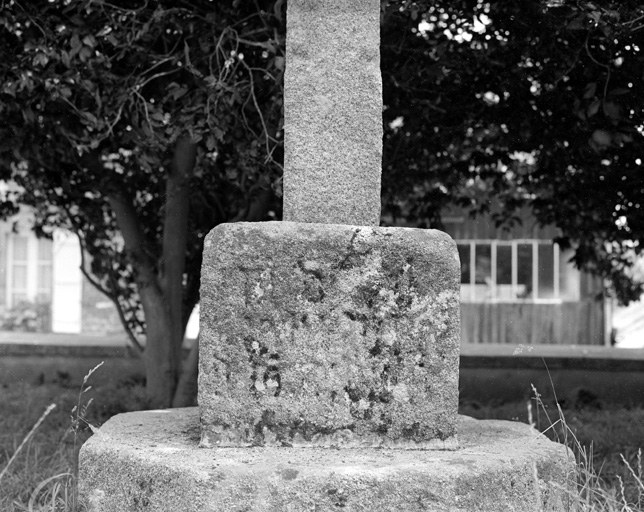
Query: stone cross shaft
326	330
333	112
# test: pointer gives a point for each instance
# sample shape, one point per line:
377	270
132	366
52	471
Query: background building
517	286
42	287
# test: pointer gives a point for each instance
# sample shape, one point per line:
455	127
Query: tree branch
139	348
99	286
134	239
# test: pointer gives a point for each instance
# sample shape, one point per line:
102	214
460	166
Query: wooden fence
566	323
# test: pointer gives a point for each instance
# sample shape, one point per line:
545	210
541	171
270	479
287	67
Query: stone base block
329	335
152	461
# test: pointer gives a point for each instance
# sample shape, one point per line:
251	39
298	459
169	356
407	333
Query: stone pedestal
329	335
152	461
328	380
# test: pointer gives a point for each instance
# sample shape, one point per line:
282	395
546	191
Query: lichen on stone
345	338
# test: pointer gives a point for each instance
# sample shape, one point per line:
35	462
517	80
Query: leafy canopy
488	105
497	105
95	96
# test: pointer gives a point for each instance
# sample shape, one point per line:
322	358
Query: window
19	282
516	270
29	269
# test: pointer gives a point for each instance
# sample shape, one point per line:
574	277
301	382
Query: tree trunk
161	370
161	290
186	393
175	233
162	359
174	251
161	286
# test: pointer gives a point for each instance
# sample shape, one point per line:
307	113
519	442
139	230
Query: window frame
32	264
514	243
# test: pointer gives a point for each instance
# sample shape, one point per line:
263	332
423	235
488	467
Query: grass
38	452
42	476
607	443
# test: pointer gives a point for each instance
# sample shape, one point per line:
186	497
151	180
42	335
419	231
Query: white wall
66	305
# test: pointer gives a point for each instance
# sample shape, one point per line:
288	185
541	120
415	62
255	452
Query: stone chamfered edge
329	335
152	461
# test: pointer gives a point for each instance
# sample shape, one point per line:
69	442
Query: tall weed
590	492
57	493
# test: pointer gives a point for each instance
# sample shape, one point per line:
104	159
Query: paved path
552	351
35	338
615	375
12	342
